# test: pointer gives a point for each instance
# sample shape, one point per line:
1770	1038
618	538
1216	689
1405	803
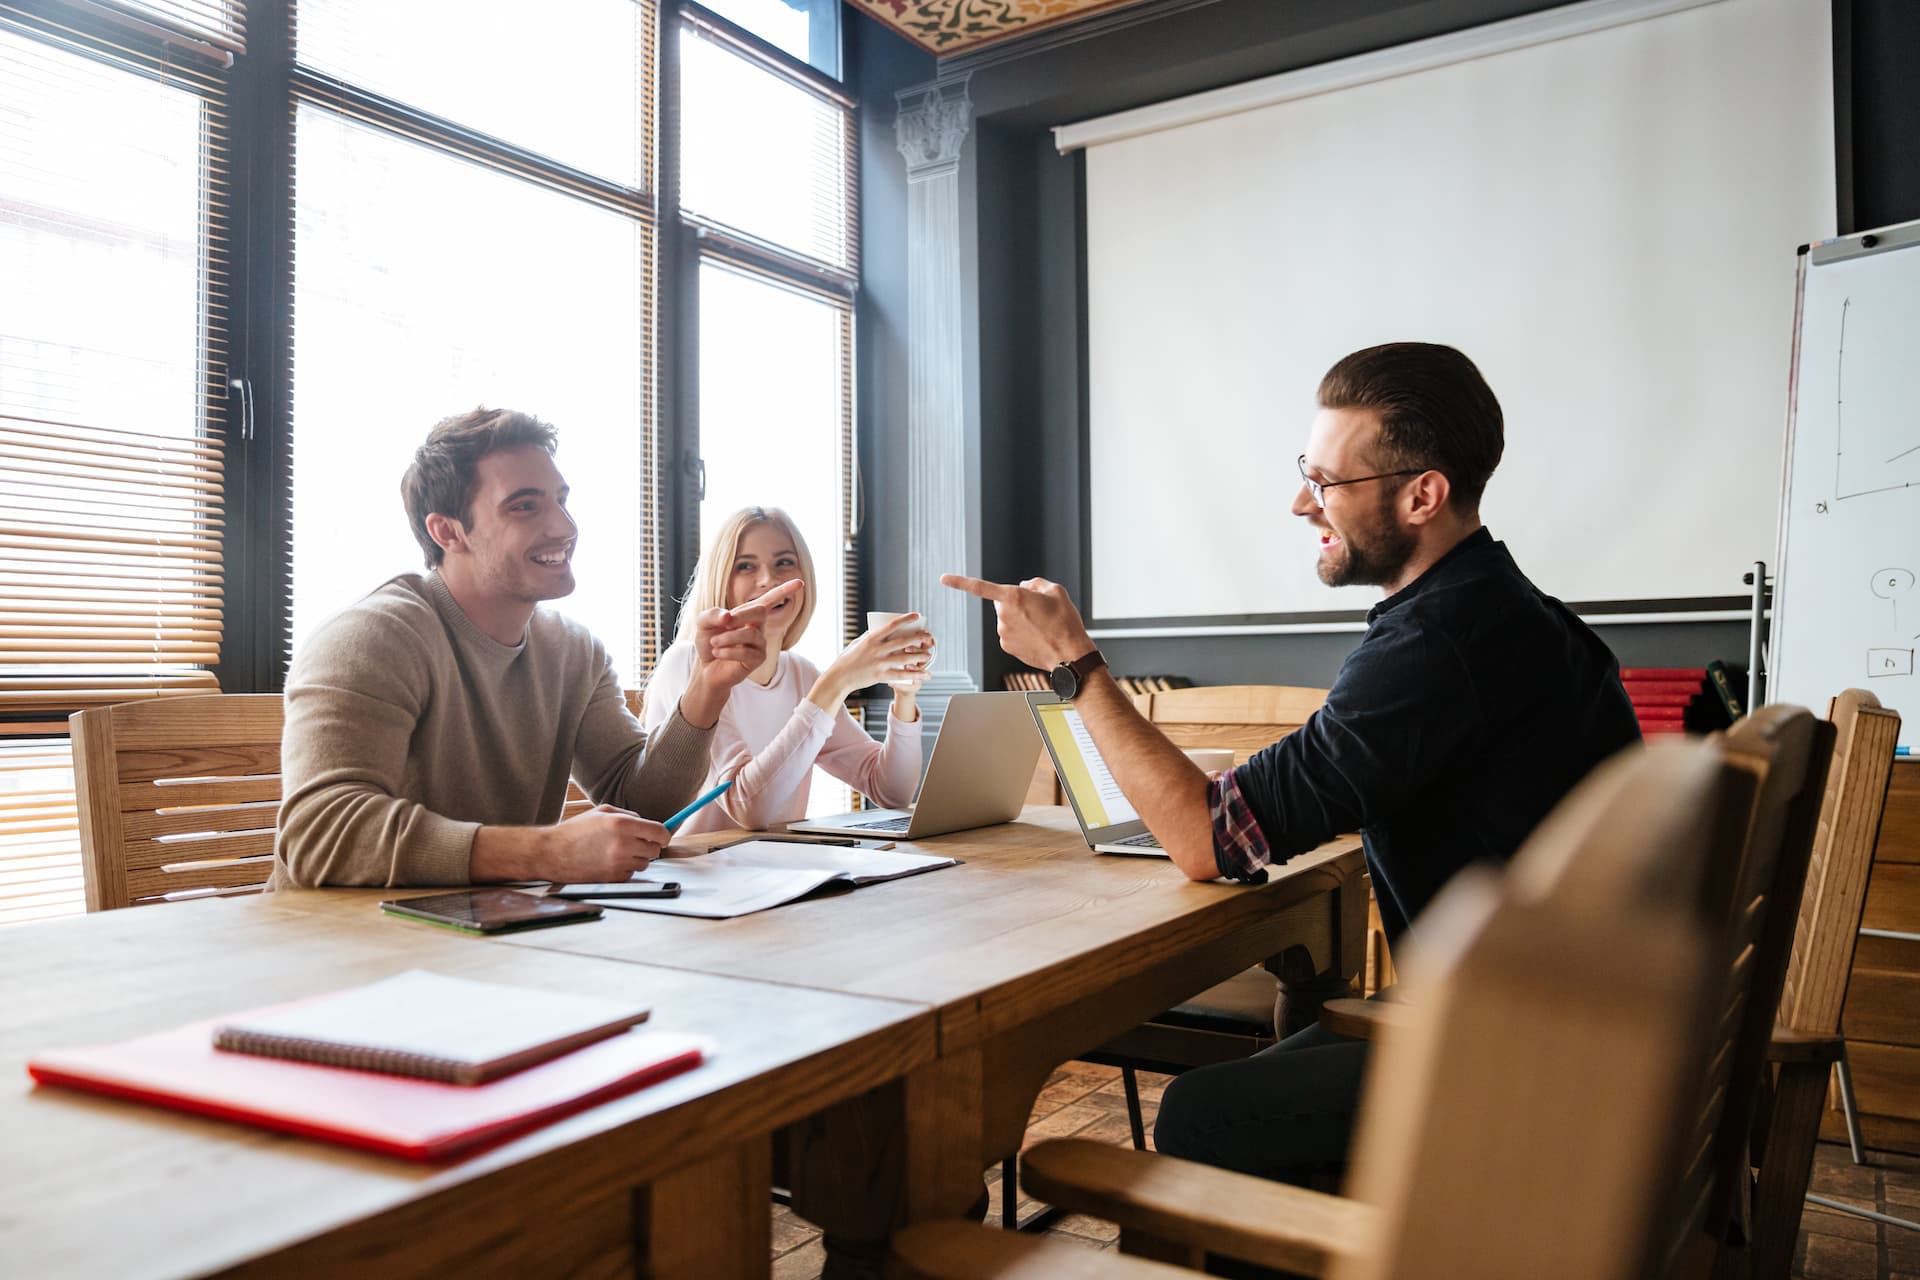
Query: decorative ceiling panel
948	26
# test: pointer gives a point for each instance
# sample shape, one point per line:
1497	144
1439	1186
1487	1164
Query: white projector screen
1606	222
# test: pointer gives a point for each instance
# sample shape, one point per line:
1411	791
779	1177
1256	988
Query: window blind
112	371
219	26
39	851
767	151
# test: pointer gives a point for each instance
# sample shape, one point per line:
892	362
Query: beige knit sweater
408	729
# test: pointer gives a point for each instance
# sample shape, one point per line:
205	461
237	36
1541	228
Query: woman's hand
897	652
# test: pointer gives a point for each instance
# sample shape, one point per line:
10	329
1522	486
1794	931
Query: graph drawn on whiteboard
1847	578
1863	482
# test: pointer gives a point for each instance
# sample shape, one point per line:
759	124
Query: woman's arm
889	773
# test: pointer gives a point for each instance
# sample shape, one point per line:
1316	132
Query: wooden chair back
1240	717
1751	900
177	795
1826	930
1519	1122
1828	924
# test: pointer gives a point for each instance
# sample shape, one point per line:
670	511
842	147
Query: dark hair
1436	412
441	477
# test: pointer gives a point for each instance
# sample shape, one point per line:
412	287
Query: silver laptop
978	776
1107	820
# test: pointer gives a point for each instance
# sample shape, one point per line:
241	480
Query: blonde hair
707	589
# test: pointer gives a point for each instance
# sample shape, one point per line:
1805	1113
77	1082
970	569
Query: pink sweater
769	738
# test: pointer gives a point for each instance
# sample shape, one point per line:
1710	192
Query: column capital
932	125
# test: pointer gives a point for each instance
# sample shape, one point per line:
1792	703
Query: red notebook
394	1115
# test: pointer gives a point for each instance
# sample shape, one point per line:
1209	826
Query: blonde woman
786	717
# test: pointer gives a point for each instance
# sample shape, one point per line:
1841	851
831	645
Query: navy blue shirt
1473	704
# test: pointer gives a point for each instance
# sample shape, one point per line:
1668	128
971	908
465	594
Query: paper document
1111	798
758	874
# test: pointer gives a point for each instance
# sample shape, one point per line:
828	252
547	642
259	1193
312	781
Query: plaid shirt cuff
1239	845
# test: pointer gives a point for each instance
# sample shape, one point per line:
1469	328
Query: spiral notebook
429	1026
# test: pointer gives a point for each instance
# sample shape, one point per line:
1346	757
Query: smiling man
1471	706
431	728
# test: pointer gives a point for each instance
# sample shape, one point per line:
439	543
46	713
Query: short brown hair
1436	412
441	477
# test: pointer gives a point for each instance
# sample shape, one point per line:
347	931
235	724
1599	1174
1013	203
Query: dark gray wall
879	62
1022	212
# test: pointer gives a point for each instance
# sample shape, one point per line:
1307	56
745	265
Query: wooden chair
1481	1152
177	796
1806	1036
1757	857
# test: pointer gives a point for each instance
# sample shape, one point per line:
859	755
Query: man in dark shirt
1471	706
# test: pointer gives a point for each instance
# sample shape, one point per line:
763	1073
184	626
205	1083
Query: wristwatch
1068	677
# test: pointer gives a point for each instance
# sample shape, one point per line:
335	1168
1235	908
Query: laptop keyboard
1144	840
896	825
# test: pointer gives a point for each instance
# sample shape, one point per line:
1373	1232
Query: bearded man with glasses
1471	706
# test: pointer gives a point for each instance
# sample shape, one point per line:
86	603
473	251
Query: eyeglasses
1319	488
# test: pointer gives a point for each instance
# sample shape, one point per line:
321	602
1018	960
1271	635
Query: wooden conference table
670	1181
1030	953
899	1033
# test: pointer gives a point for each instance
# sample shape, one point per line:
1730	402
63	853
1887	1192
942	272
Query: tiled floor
1085	1101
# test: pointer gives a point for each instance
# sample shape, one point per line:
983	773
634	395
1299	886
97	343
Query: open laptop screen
1089	784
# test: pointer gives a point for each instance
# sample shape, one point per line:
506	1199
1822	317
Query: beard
1372	552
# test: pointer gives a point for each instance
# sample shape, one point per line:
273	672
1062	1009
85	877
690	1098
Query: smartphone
490	910
618	889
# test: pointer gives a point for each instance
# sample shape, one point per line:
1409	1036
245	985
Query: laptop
978	775
1107	820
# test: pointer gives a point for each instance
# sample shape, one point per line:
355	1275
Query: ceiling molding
947	27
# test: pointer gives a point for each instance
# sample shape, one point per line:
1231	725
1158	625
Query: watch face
1065	683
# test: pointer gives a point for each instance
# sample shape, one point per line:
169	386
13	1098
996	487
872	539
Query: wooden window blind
113	381
39	850
113	392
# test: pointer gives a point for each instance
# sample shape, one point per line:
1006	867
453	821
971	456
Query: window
112	405
808	30
766	152
779	438
222	334
768	182
501	258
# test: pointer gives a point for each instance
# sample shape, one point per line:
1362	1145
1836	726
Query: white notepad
430	1026
756	874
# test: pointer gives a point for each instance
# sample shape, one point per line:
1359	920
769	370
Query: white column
931	128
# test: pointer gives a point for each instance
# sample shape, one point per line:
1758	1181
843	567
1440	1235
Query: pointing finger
752	612
998	592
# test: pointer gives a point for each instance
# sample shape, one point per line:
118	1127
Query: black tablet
491	910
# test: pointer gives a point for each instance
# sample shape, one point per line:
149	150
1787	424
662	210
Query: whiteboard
1846	613
1603	222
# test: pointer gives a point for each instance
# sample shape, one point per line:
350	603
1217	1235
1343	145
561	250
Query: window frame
694	238
262	86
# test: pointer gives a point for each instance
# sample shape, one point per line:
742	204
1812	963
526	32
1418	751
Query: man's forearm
509	853
1168	789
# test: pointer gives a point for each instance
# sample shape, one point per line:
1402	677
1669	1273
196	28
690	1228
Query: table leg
709	1219
1304	983
908	1152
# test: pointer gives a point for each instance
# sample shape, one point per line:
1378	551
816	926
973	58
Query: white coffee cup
876	620
1210	759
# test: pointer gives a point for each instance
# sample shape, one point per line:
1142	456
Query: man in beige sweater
432	726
